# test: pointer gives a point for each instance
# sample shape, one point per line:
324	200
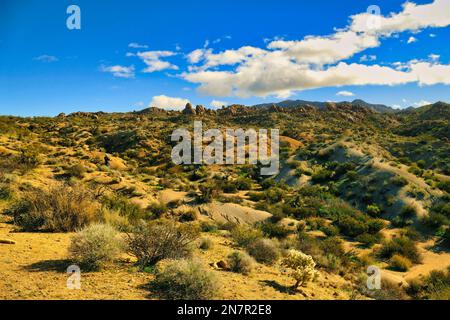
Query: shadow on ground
49	265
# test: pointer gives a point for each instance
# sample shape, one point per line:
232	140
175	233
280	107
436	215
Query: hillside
359	185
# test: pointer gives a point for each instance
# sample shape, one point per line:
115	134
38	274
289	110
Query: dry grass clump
400	263
61	208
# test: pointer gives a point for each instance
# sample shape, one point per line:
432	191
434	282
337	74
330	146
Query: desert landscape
358	186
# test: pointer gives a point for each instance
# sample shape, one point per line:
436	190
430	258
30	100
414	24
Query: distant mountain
381	108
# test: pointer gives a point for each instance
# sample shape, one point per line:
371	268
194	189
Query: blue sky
129	52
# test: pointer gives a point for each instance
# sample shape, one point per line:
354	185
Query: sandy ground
35	268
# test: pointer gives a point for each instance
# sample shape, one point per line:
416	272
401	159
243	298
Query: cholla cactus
302	267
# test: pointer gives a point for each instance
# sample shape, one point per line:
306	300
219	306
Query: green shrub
367	240
373	211
133	212
185	280
244	235
95	246
264	251
402	246
240	262
161	239
243	184
206	244
274	230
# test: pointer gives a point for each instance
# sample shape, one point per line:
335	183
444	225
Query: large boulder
189	110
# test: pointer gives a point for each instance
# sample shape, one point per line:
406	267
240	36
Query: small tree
302	265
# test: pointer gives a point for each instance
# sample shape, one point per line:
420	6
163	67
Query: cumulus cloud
154	62
119	71
319	61
345	94
170	103
412	40
218	104
46	58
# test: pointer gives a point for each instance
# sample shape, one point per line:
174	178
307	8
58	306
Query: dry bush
399	263
95	246
264	251
241	262
161	239
184	280
61	208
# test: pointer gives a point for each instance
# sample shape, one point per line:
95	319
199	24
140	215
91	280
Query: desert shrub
256	196
330	230
373	210
322	175
274	230
389	291
244	235
240	262
208	226
399	181
62	208
436	286
206	244
399	263
187	216
368	240
133	212
95	246
243	184
351	226
408	212
161	239
116	220
184	280
302	266
402	246
157	209
274	195
76	171
264	251
5	192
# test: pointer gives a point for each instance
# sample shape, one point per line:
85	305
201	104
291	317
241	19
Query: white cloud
154	62
318	61
136	45
434	57
119	71
46	58
218	104
366	58
170	103
345	94
412	40
421	103
432	35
